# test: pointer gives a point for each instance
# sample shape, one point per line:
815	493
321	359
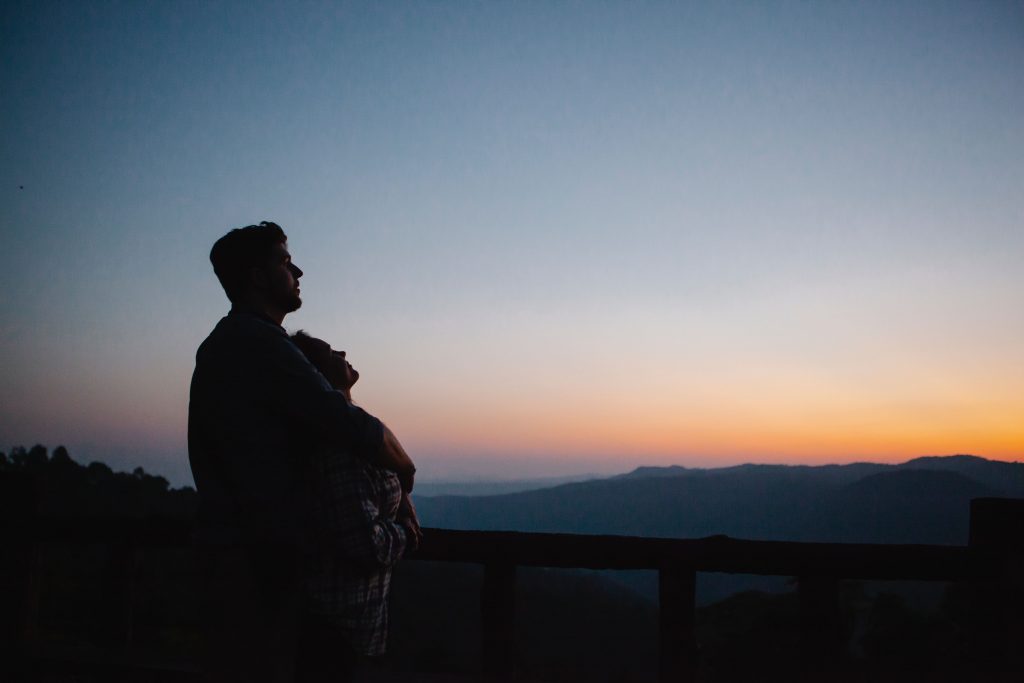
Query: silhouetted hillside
648	471
835	474
57	486
925	501
1005	477
903	506
492	488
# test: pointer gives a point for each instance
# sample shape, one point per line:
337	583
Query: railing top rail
712	554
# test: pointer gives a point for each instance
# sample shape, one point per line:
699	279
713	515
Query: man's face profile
281	279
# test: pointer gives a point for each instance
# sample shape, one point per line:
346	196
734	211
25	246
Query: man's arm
399	461
408	518
325	413
358	529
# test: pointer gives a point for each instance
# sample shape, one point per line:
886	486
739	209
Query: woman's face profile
342	375
331	364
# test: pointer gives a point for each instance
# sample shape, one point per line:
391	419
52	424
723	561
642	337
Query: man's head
255	269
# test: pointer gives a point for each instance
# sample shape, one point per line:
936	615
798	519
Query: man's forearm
393	457
305	393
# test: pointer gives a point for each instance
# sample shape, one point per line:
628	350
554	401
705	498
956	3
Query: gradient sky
554	237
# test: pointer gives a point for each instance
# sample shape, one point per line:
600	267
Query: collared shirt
358	540
256	409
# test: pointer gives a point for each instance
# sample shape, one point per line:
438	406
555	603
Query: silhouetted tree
61	487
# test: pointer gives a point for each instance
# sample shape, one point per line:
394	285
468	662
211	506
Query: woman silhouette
362	523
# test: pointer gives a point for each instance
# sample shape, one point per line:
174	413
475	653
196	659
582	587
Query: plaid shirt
354	506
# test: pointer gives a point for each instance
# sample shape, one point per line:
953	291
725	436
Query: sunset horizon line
489	469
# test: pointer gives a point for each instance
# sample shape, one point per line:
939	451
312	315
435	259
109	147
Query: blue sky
554	237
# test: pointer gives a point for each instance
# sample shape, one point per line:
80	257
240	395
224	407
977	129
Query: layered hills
925	500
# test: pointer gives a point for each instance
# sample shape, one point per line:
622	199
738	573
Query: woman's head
331	364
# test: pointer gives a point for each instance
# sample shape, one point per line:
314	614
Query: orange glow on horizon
707	434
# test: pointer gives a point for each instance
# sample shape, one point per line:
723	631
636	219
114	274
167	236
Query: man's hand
407	518
394	458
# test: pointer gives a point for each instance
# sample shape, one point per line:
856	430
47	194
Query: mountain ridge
923	500
779	502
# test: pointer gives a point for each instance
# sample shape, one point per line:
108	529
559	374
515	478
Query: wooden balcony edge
723	554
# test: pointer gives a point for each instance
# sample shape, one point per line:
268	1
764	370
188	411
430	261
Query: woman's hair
316	351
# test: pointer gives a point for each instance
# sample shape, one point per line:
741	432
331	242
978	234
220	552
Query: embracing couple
304	496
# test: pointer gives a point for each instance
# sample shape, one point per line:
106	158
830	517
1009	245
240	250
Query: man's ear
257	278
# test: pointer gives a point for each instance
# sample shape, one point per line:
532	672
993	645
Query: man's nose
296	271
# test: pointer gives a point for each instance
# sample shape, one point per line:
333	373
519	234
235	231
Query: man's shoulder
246	348
237	329
248	324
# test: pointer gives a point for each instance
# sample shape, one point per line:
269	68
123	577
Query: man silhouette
256	408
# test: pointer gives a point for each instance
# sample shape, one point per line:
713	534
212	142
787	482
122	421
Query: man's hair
235	254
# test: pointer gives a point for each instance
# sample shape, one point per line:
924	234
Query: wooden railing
991	563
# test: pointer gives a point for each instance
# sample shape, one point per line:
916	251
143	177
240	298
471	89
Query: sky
554	237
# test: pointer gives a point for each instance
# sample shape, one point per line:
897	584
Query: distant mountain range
485	487
925	500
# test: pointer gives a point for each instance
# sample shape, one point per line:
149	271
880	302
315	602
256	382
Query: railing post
119	595
30	569
821	625
19	608
20	570
997	525
497	619
677	604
